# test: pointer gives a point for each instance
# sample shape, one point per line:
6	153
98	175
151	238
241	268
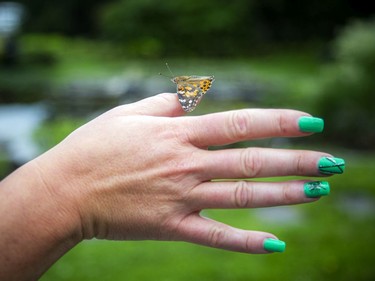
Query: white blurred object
17	125
10	17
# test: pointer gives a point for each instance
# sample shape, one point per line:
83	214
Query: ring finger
245	194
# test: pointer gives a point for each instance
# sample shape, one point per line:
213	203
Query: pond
17	124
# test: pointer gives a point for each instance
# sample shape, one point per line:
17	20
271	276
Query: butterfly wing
191	90
204	82
189	96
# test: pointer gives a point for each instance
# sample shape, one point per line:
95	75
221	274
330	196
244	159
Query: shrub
151	29
346	98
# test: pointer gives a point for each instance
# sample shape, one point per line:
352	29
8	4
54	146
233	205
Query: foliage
54	131
69	17
206	28
5	166
150	28
347	100
215	28
47	61
21	87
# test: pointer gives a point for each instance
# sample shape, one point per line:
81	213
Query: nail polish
316	189
331	165
309	124
274	245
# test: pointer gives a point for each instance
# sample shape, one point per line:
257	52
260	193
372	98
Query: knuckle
288	196
300	166
251	163
181	169
162	99
238	125
216	237
249	244
283	124
242	195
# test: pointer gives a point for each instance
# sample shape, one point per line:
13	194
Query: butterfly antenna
161	74
170	71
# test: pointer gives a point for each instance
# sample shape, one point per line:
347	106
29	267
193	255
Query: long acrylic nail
274	245
309	124
315	189
331	165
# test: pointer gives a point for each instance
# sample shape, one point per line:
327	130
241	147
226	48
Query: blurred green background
64	62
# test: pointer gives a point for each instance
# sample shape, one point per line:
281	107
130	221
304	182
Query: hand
141	171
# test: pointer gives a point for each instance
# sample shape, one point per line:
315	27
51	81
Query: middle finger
259	162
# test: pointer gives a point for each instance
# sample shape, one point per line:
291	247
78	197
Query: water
17	125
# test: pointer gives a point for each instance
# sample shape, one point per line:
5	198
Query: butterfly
190	89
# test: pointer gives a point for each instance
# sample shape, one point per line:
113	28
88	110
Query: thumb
165	104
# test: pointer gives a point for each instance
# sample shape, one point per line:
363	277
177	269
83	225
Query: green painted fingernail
316	189
274	245
310	124
331	165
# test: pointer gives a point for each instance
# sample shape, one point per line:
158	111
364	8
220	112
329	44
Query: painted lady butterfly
190	89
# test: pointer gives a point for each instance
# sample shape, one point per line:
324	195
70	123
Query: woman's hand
141	171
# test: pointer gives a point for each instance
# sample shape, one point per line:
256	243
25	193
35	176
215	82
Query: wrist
60	205
39	222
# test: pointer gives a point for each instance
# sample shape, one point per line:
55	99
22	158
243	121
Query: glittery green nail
310	124
331	165
316	189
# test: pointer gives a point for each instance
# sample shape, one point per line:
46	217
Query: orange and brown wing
205	84
190	90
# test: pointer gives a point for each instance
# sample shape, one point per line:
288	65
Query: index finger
246	124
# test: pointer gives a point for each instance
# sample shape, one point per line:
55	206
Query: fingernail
331	165
274	245
316	189
310	124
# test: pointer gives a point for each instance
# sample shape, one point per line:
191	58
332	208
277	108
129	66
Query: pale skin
142	171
